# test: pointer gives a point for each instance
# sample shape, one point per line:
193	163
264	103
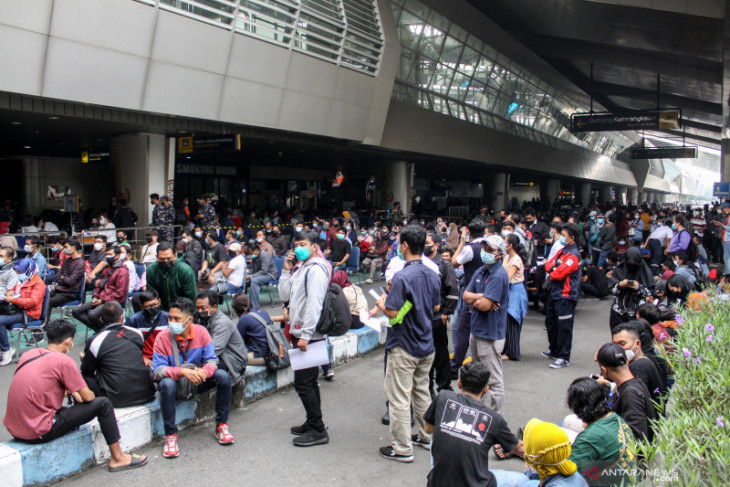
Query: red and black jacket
564	272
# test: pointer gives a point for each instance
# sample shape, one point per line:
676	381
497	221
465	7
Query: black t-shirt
464	431
114	356
644	369
634	406
598	279
340	248
217	254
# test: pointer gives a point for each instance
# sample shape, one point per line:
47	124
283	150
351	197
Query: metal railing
345	32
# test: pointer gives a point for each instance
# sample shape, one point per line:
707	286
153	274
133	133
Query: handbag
185	388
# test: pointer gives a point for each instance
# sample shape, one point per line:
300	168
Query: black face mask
152	312
276	234
167	265
203	316
149	239
120	239
109	261
428	250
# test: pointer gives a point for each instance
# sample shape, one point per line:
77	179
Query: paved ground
352	406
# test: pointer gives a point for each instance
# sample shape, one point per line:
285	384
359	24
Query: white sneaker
7	357
368	281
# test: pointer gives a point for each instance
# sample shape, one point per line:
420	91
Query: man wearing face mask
633	401
112	363
194	348
8	277
113	285
122	239
263	271
305	290
487	297
97	255
605	240
193	251
42	380
229	347
151	320
264	245
277	241
396	216
376	254
216	257
33	251
70	276
206	213
626	335
564	272
171	277
339	251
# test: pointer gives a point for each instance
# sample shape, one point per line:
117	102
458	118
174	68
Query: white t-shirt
397	264
467	254
555	248
50	227
238	264
149	253
133	278
662	233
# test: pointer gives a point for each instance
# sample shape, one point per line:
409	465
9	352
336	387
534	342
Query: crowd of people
470	283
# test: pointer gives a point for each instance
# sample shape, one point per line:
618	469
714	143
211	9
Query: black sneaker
311	438
386	418
390	454
547	354
299	430
422	443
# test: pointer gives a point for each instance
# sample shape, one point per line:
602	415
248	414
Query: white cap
235	247
495	242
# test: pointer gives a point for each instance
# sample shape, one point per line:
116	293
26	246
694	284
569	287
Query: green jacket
178	282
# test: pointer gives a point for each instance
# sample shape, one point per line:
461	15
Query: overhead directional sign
638	120
686	152
222	142
721	190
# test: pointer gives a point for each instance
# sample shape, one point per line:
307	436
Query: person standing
206	213
514	264
606	238
466	255
564	272
263	271
305	290
725	235
441	369
411	305
488	298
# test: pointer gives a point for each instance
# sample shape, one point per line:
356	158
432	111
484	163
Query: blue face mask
22	277
488	258
600	220
340	236
562	240
302	253
176	328
674	227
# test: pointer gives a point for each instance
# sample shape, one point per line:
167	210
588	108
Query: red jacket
564	272
31	297
116	286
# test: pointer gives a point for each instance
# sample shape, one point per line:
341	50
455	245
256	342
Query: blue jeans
602	259
506	478
168	405
460	337
5	322
233	289
255	288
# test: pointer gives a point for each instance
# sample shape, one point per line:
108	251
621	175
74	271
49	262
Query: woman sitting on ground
547	450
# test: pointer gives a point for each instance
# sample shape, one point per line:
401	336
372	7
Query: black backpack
278	345
692	251
336	318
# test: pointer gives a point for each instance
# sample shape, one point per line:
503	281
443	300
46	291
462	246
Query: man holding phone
304	286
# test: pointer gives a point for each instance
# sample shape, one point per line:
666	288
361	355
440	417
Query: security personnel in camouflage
164	216
396	216
206	213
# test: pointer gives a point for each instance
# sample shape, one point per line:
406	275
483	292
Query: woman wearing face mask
681	295
108	227
633	283
149	250
25	297
513	263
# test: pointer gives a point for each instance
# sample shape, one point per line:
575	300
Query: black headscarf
634	269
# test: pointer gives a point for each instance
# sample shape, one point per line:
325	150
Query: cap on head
494	242
235	247
611	355
725	205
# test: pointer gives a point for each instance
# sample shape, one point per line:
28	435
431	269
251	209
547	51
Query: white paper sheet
315	356
374	294
373	323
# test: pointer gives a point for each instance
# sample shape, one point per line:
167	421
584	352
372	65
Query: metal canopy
626	47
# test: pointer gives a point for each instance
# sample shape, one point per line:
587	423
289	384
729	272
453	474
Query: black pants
559	323
59	298
307	387
657	255
591	290
70	418
512	338
89	316
441	368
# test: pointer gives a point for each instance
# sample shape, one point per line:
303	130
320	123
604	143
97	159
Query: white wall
125	54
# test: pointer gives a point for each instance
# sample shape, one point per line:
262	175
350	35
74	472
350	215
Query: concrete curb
24	464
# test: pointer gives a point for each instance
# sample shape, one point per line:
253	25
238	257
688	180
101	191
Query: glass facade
445	69
344	32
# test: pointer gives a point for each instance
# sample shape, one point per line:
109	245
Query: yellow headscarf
547	449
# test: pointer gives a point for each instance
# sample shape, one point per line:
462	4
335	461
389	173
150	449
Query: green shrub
692	443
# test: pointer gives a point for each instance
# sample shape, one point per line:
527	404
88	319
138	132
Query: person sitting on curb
112	364
229	347
191	357
43	378
150	320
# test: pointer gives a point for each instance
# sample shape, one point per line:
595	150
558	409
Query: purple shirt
680	241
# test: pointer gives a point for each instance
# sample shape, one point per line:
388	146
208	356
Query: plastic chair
353	263
68	307
28	325
279	262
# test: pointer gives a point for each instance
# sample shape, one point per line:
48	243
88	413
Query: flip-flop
499	452
137	461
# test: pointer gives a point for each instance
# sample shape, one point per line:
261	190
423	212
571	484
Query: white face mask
505	233
98	246
28	248
102	221
630	354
